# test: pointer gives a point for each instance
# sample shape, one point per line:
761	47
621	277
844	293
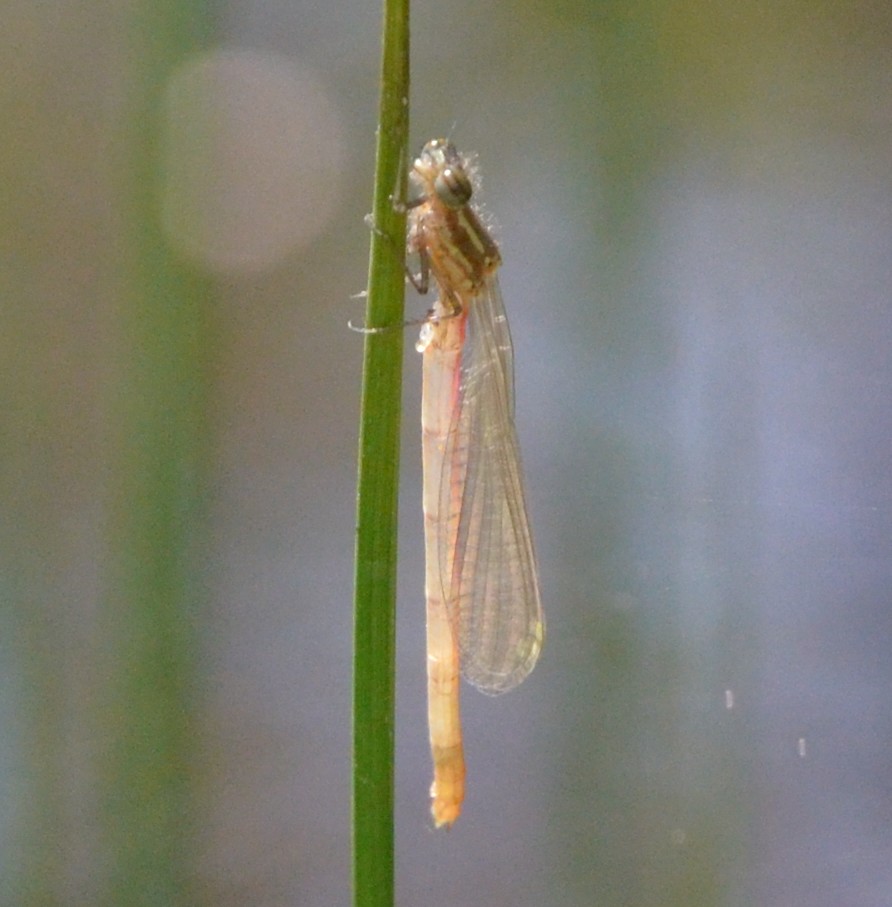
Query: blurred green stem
376	538
157	526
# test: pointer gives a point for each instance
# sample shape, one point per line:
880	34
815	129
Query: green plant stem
376	538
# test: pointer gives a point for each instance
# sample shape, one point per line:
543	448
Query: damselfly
484	614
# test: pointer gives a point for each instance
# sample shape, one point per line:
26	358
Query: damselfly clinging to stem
484	614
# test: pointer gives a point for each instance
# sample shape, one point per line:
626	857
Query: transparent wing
486	558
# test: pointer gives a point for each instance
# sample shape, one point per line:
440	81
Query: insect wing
486	554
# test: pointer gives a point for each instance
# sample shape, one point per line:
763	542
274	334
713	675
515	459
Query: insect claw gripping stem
420	281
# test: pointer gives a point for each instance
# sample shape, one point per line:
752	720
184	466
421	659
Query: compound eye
453	187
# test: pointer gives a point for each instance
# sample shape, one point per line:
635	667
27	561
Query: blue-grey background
694	205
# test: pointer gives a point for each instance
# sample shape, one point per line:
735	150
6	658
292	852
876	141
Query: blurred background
694	206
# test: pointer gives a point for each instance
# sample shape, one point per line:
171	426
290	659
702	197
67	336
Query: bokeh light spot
254	153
